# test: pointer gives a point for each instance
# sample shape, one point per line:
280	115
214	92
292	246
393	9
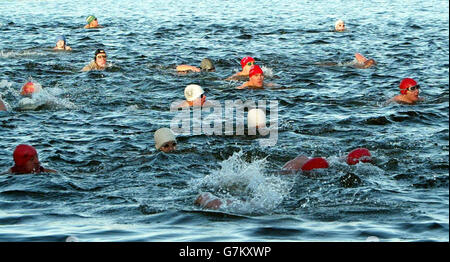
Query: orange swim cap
405	84
358	154
27	89
314	163
23	153
255	70
245	60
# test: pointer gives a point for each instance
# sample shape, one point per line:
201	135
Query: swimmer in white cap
206	65
339	26
256	118
165	140
195	96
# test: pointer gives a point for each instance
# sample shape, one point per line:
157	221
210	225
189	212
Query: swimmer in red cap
2	104
99	62
29	88
256	78
246	63
409	93
359	154
304	163
26	161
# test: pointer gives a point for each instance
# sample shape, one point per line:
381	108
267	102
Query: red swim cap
27	89
23	153
362	154
255	70
245	60
406	82
314	163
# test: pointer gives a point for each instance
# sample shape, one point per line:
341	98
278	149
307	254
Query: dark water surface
96	128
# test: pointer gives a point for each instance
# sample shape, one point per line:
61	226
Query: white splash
246	185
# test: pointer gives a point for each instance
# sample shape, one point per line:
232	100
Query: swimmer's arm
182	68
245	85
49	171
181	105
68	48
2	106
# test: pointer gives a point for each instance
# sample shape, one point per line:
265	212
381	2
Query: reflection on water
97	127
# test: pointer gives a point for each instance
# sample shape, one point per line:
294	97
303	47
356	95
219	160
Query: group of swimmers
26	158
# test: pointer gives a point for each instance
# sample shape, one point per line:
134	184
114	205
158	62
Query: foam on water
247	184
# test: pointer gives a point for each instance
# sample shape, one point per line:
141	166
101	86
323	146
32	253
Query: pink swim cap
314	163
255	70
245	60
23	153
406	83
362	154
27	89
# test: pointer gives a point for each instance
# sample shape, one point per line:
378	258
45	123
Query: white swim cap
256	118
162	136
192	92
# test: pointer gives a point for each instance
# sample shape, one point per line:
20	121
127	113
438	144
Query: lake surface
96	128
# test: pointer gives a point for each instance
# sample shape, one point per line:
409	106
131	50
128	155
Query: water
96	128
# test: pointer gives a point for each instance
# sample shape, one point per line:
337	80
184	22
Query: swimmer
99	62
256	79
2	104
256	118
359	62
409	93
339	26
92	22
61	44
30	88
209	201
26	161
206	65
195	96
359	154
246	63
165	140
362	62
304	163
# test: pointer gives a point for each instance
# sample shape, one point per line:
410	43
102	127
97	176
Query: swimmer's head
165	140
193	92
207	65
90	19
315	163
407	83
339	25
256	76
359	154
100	57
25	155
369	63
247	61
254	70
27	89
61	41
256	118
